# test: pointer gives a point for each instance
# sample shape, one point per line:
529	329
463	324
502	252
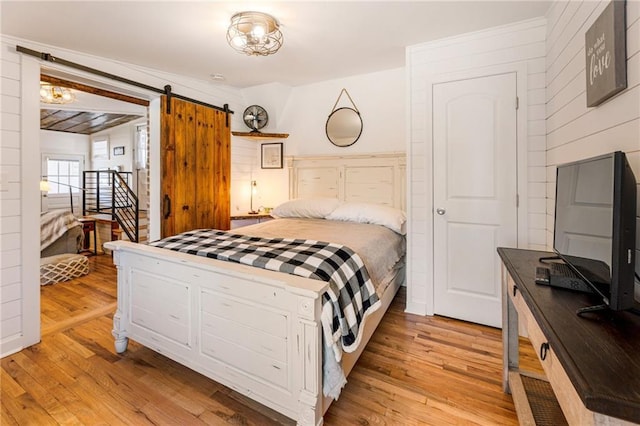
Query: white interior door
474	194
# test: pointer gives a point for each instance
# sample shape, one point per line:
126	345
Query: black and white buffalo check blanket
350	296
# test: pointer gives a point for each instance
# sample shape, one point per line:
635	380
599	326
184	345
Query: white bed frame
253	330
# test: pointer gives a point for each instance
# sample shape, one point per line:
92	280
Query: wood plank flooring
415	371
64	304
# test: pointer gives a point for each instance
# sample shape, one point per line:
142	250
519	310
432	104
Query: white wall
245	153
20	206
574	131
272	184
302	112
380	98
20	167
119	136
244	161
65	143
124	136
518	47
273	97
10	235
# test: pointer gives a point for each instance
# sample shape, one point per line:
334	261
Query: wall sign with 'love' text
606	54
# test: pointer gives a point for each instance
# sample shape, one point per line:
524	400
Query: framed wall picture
118	150
271	155
606	54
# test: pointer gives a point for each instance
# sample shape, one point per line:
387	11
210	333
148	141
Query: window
61	174
100	148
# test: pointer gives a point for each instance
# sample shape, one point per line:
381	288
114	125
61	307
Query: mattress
380	248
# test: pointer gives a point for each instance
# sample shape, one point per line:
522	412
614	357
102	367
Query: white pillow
316	208
376	214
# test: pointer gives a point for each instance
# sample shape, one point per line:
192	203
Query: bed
60	232
256	330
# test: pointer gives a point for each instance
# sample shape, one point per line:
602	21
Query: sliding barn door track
165	91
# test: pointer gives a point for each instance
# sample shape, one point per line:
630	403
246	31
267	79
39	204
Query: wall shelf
258	136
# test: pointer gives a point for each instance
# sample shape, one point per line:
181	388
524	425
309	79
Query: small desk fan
255	117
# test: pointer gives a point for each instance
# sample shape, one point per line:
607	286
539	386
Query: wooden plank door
222	167
205	176
196	168
213	164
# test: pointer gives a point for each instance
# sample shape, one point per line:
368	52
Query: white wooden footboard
253	330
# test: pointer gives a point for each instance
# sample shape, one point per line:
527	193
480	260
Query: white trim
30	178
100	148
409	306
61	156
455	40
415	304
520	69
518	47
60	200
154	170
30	196
522	115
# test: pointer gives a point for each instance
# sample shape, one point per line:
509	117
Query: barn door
196	167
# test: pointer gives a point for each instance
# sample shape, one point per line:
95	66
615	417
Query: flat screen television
595	226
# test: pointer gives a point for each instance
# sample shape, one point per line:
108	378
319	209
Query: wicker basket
62	267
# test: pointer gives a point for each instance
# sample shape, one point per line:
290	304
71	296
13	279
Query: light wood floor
415	370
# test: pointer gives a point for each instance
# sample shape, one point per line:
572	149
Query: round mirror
344	126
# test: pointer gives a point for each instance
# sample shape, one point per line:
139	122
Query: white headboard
372	178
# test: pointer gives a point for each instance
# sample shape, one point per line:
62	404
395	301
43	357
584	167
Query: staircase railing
109	192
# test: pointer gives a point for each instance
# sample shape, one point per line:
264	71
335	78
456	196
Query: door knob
440	211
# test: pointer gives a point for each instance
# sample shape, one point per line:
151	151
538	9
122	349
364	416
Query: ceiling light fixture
50	94
254	34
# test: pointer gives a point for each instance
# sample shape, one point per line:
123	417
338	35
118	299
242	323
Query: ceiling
89	113
322	40
82	122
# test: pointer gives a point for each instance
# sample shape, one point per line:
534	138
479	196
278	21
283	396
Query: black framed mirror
344	126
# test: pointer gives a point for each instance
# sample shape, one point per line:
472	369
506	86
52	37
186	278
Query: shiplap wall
10	206
574	131
245	157
519	46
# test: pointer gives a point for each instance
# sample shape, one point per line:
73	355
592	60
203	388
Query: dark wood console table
592	363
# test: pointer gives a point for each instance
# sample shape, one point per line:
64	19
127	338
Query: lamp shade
50	94
254	34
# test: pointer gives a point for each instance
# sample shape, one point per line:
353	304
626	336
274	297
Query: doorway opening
66	138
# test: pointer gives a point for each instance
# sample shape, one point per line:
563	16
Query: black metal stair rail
125	207
109	192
